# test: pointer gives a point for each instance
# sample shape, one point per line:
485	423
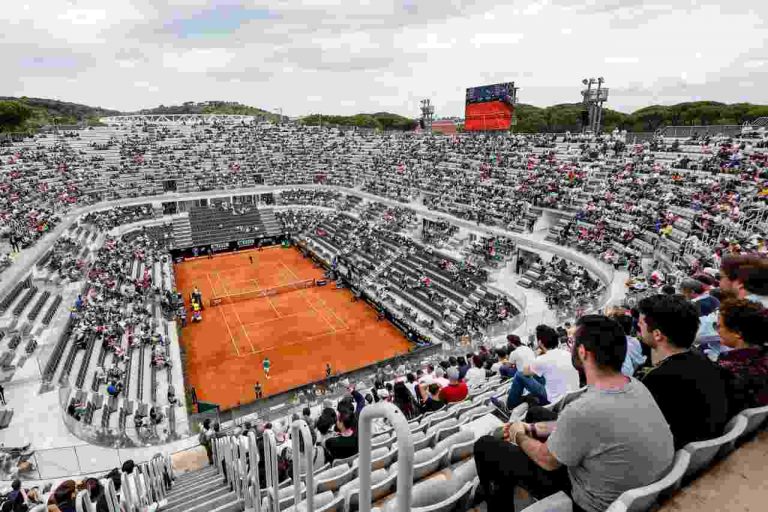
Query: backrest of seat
113	502
457	501
703	452
461	450
642	498
83	502
429	466
755	416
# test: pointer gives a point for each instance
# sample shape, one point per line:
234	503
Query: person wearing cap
456	390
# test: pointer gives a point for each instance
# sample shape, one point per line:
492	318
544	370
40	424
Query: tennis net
264	292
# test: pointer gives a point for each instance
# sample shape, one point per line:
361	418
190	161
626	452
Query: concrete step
182	487
185	485
196	494
184	502
235	506
225	502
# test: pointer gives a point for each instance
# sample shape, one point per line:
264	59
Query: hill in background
379	120
211	107
566	117
29	114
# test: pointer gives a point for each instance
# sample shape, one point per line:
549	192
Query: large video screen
497	92
488	115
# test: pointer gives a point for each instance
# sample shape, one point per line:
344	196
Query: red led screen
489	115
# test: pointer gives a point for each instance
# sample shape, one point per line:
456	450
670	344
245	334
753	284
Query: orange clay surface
299	330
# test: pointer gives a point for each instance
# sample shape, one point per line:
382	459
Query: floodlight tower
593	104
427	113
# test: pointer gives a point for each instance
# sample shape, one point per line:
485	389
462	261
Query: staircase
182	232
202	491
270	222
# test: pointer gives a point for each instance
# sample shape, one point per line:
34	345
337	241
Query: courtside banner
219	247
246	243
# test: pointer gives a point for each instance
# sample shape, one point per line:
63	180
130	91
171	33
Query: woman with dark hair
743	327
63	498
463	366
404	401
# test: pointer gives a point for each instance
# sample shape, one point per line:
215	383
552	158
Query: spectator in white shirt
476	375
521	355
548	377
439	378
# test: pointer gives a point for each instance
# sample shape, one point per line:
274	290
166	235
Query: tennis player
266	364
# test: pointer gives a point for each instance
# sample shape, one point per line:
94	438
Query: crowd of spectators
116	314
118	215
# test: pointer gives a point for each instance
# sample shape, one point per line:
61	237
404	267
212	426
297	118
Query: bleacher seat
704	452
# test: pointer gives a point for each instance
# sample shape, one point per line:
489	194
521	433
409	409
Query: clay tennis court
299	329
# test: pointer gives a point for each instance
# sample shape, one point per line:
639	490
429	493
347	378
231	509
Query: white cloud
198	61
83	16
622	60
382	54
485	39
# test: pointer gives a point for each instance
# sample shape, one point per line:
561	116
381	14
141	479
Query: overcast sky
381	55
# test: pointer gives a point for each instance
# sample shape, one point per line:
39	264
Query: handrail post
253	477
300	428
404	454
270	465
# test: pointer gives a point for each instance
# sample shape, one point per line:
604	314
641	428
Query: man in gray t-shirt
611	441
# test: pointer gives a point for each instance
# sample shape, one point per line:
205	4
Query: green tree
13	114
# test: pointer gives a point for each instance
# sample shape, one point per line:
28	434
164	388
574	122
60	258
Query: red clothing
454	392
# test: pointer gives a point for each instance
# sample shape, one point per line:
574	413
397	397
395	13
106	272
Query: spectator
205	439
463	366
439	377
746	276
433	402
694	291
520	356
345	444
688	388
404	401
306	415
571	454
743	327
635	357
547	378
502	359
325	424
413	387
456	390
668	289
17	498
476	375
63	497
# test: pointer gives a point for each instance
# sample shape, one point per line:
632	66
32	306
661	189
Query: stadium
243	312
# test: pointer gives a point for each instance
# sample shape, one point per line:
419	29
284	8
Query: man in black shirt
688	388
344	445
